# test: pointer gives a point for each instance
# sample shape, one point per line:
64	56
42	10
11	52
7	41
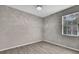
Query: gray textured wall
53	29
17	28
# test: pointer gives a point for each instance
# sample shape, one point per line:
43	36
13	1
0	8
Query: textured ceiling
46	11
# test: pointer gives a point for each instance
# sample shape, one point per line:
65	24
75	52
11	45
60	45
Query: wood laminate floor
39	48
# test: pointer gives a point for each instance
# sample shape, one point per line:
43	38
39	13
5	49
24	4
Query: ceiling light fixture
39	7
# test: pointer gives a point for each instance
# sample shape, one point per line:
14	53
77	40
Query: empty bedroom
39	29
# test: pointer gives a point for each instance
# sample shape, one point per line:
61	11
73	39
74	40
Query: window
70	24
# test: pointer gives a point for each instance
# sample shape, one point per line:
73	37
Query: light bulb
39	7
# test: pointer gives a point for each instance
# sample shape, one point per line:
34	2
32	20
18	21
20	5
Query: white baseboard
20	45
39	41
61	45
